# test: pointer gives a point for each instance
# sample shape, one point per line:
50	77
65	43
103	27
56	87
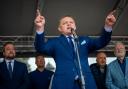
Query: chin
11	57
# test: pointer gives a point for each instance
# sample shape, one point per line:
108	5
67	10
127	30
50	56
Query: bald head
101	59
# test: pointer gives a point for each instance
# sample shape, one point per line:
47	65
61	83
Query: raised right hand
110	19
39	21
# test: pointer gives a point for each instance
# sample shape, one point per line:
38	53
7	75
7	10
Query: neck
40	69
8	59
102	67
121	59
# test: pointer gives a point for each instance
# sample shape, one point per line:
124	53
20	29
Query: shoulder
93	65
112	63
20	63
32	72
49	72
1	64
83	37
126	58
52	40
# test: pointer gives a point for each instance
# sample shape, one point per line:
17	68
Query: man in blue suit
13	74
67	71
117	71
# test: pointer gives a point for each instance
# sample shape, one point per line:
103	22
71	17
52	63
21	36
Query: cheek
62	26
7	52
14	52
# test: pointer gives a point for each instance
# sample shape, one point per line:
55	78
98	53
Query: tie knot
9	62
70	37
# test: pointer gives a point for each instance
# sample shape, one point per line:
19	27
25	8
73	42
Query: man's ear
3	53
59	29
96	59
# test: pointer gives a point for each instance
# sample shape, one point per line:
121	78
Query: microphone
74	33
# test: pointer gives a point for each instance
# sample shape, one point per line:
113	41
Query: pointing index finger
38	12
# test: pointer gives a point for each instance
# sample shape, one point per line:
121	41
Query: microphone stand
76	43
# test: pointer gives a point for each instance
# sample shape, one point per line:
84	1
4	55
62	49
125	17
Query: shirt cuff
108	28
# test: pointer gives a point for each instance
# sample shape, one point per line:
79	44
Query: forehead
67	18
120	45
9	45
39	57
101	54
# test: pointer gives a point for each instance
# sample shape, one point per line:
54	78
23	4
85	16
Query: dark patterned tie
74	57
71	44
10	69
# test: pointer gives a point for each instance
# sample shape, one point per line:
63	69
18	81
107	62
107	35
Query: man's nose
69	25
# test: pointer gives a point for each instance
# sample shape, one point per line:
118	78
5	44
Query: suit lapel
117	66
14	69
5	70
63	40
126	69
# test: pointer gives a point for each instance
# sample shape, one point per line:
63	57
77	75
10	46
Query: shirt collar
12	61
123	61
68	36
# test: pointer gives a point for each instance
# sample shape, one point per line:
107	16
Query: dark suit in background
19	78
13	74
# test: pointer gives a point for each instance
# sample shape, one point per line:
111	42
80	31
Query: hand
110	19
39	21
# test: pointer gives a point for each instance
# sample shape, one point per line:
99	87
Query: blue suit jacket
66	68
115	79
19	79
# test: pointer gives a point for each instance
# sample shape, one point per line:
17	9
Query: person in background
99	70
40	78
67	74
13	74
117	71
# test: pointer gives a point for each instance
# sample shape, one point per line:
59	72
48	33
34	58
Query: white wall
50	64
